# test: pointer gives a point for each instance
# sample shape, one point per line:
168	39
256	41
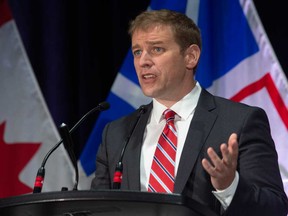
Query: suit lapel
199	129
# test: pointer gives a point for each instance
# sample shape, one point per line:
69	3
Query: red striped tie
162	174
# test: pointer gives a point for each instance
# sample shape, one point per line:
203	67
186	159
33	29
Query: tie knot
169	115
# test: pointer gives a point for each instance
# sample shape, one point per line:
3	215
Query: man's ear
192	55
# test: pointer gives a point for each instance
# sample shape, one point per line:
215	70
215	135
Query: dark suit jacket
260	190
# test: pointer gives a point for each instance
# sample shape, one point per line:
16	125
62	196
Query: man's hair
186	32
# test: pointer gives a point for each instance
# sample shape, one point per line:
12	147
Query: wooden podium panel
101	203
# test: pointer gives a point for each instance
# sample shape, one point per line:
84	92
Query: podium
102	203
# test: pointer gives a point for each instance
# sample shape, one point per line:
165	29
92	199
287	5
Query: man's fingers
233	145
230	151
211	170
216	163
226	154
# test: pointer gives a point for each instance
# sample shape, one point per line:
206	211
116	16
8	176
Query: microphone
39	180
68	144
117	179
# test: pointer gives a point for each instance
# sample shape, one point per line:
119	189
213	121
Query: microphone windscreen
142	109
104	106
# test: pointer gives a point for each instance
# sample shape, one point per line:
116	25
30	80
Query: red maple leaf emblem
13	159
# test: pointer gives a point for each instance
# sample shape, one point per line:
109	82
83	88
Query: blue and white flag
237	62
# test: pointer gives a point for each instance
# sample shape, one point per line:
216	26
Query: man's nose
145	59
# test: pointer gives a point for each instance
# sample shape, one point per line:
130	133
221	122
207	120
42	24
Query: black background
76	48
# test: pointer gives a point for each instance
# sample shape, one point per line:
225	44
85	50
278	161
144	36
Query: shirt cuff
225	196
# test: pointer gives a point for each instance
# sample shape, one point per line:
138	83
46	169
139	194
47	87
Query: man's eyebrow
149	43
154	42
135	46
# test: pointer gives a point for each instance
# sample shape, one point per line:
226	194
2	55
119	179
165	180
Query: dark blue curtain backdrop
77	47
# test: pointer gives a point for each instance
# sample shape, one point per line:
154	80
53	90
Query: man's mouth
149	76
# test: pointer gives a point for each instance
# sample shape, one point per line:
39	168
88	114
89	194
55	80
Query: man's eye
158	49
137	52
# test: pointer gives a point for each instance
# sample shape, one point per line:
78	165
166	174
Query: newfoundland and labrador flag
237	62
27	131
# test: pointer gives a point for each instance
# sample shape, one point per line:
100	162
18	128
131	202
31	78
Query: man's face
161	67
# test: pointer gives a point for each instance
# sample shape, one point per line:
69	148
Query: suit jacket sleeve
102	178
260	189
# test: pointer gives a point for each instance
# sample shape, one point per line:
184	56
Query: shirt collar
184	107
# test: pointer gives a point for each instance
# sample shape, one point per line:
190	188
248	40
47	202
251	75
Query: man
225	157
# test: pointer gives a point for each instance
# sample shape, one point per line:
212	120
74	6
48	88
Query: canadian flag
27	131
